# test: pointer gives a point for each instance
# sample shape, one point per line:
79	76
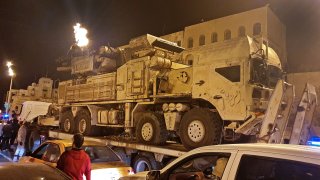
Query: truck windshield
259	72
274	74
264	75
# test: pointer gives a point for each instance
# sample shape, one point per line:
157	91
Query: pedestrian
21	140
75	162
15	128
7	134
1	127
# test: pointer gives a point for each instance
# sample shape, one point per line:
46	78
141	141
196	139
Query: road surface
5	156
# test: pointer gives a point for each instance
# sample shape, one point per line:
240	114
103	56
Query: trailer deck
170	149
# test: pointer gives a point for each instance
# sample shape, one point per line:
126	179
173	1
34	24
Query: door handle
217	97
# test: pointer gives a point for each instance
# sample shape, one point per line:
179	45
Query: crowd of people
8	133
75	162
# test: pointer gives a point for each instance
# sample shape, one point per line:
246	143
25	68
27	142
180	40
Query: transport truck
141	90
288	120
41	91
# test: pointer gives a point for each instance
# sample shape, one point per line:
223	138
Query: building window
190	43
214	37
242	31
256	29
202	40
189	59
179	43
227	34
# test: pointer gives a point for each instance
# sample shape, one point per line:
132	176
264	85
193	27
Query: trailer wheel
33	140
200	127
151	129
67	122
145	162
83	122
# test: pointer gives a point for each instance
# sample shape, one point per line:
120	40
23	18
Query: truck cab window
274	74
232	73
256	167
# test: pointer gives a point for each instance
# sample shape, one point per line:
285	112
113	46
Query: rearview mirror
153	175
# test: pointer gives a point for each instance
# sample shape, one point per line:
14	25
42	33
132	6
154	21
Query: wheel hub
147	131
196	131
82	125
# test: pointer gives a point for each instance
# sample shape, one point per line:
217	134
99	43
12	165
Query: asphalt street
5	156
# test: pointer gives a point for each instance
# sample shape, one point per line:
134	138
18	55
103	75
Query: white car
242	162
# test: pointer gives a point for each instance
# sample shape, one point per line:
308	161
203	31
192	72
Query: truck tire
33	140
145	162
83	122
67	122
151	129
200	127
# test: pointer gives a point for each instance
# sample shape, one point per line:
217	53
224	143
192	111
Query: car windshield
99	153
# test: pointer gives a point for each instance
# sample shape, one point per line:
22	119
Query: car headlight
110	173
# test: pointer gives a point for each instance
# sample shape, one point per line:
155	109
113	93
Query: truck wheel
200	127
145	162
33	140
67	122
83	122
151	129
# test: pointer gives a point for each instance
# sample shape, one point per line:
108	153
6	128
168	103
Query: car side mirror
153	175
28	153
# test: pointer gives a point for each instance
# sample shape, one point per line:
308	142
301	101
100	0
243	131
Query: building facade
260	22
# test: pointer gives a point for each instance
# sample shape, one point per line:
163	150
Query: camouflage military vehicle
141	88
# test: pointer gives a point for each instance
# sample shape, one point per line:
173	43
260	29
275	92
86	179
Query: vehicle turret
82	61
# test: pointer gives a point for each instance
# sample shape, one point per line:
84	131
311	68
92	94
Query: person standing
21	140
7	134
1	133
75	162
15	128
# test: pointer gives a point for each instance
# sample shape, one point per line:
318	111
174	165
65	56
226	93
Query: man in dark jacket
75	162
7	134
15	128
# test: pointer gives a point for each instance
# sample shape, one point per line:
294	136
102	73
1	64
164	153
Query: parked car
105	163
242	162
30	171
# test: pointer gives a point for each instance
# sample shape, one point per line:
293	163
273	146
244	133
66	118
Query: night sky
33	33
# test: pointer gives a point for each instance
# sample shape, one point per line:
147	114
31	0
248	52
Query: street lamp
11	74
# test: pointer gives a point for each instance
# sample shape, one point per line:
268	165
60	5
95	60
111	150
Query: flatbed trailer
140	156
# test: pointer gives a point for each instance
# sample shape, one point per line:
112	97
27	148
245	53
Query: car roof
30	171
262	147
68	142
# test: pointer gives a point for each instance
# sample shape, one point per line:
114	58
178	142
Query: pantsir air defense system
144	89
